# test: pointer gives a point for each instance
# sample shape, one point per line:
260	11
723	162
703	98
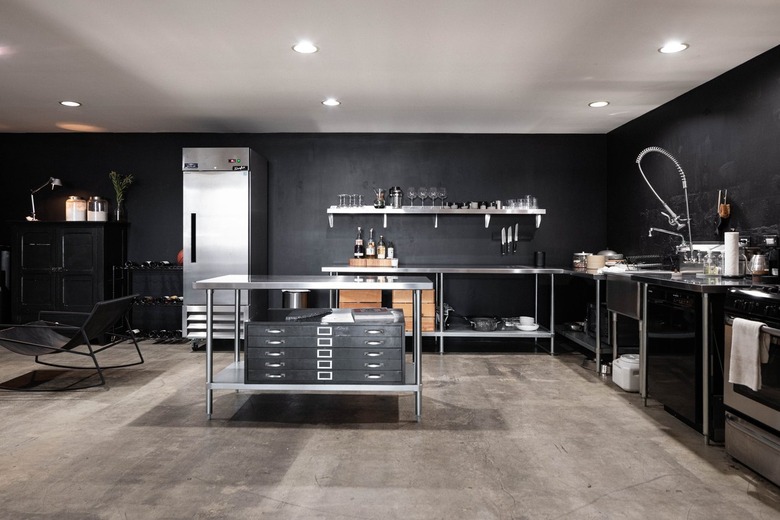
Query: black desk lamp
54	182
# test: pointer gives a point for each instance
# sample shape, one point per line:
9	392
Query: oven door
764	405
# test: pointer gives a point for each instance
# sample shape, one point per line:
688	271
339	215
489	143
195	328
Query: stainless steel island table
232	377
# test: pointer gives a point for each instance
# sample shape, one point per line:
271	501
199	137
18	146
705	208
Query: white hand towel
749	348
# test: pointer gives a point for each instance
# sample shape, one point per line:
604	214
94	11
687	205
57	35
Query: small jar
97	209
75	209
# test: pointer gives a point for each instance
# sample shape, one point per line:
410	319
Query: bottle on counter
371	246
360	250
390	250
381	248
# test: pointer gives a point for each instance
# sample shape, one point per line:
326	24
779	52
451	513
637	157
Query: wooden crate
427	309
428	324
405	296
356	298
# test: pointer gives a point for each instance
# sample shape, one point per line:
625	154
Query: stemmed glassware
441	192
411	192
423	191
433	192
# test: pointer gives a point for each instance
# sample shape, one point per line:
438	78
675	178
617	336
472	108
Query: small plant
121	183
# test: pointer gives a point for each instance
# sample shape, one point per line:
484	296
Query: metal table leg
417	334
209	350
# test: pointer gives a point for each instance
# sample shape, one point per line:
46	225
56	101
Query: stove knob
740	304
773	311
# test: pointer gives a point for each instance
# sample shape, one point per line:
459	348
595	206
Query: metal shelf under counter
440	270
428	210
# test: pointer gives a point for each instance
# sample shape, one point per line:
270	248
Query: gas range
760	302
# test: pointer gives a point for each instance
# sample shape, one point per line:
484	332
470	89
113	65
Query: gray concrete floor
509	436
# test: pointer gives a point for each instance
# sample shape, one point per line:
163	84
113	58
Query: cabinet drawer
270	364
321	341
280	352
367	377
279	329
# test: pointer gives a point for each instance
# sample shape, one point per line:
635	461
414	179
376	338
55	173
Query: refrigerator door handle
193	220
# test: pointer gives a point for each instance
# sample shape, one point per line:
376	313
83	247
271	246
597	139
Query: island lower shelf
232	378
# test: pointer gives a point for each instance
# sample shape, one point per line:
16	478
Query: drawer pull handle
275	376
275	331
373	365
274	342
275	353
375	331
373	354
324	376
374	376
374	342
277	364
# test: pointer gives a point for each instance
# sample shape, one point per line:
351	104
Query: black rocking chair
43	338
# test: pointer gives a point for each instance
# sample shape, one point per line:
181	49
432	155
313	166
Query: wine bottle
360	251
371	246
381	248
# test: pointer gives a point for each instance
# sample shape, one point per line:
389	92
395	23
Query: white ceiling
463	66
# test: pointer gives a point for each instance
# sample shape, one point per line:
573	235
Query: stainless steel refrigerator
225	232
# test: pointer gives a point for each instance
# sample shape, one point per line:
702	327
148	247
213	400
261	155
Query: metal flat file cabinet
316	352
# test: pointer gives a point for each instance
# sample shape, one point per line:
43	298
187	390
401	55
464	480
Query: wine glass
423	191
441	191
433	192
411	192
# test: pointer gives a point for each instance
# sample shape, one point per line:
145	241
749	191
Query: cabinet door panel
37	291
38	250
78	251
78	293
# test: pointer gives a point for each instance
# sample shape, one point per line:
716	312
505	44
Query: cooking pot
482	324
608	255
580	260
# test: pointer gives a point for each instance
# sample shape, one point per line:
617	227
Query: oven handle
765	329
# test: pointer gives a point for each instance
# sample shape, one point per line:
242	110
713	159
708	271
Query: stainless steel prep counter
706	286
232	377
439	270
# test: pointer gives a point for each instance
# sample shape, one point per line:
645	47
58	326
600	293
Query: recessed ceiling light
598	104
70	103
672	47
305	47
331	102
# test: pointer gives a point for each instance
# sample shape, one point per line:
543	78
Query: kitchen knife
508	239
503	240
517	229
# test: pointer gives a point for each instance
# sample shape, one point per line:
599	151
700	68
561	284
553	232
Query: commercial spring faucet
682	248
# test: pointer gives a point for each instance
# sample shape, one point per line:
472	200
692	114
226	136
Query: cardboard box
405	296
360	295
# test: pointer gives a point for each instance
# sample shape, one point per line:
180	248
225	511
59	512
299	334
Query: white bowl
526	320
528	328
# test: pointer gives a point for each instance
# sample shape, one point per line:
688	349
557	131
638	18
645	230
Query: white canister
97	209
75	209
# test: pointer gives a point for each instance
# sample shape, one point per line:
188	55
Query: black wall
307	171
726	136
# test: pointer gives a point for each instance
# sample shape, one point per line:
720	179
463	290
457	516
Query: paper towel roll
731	254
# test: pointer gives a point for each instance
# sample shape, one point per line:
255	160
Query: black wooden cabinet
63	266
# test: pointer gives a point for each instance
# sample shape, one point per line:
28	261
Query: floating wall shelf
422	210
